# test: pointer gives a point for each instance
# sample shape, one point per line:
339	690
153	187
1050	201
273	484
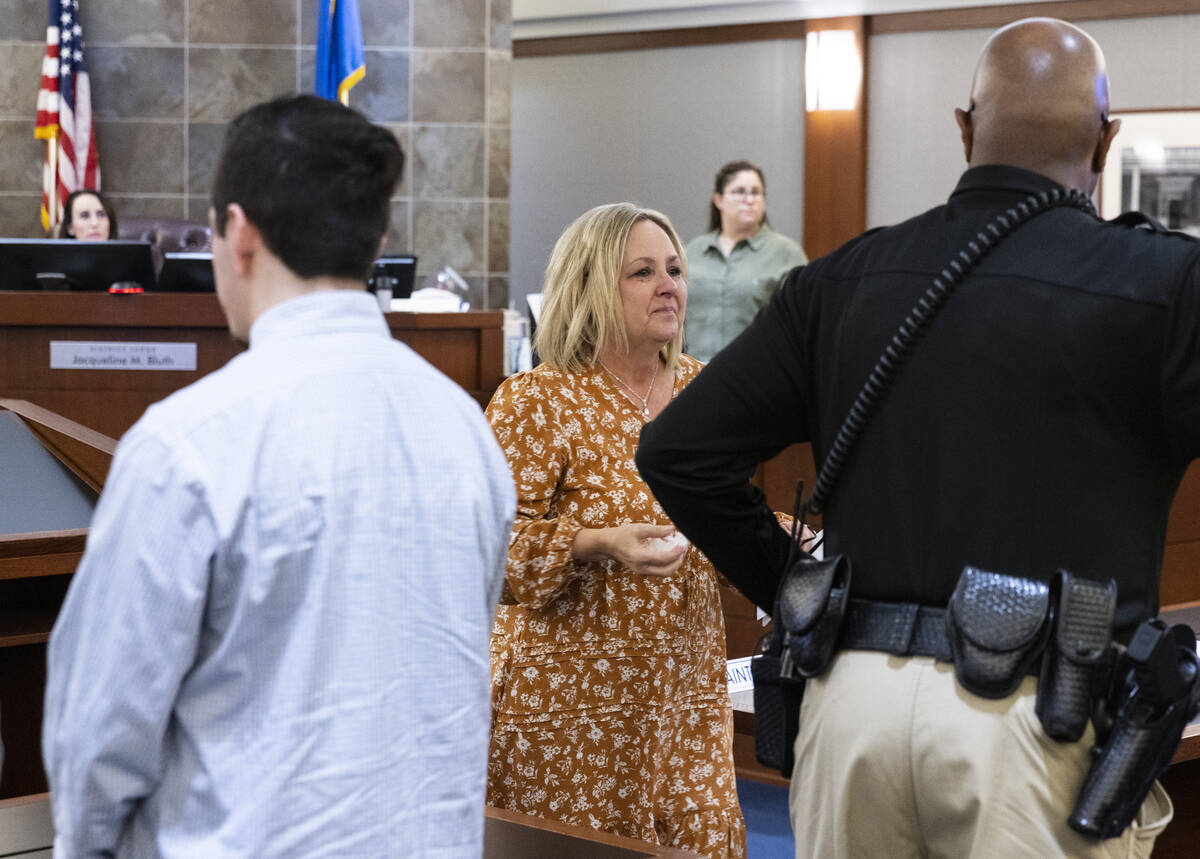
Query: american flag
64	113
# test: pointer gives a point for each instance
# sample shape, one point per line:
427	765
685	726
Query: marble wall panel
20	76
236	22
449	23
497	293
403	132
129	22
497	213
500	30
141	156
306	71
448	86
498	162
385	22
397	241
137	205
23	21
382	94
447	161
21	215
196	207
448	233
136	82
222	82
204	147
499	108
21	156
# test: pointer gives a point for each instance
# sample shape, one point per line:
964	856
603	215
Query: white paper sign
738	676
97	355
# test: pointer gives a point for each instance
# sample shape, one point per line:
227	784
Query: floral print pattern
610	706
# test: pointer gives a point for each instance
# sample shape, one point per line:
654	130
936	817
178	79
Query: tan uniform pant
894	759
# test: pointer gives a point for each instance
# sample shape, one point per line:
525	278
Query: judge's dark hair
65	226
316	178
724	177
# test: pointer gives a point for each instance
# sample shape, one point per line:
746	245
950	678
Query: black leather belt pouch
809	608
997	626
1078	649
776	710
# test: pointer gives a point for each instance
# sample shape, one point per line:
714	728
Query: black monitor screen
401	272
71	264
186	272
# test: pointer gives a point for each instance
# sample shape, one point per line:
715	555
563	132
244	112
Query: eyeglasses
745	193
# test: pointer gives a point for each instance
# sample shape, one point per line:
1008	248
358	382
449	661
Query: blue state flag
340	63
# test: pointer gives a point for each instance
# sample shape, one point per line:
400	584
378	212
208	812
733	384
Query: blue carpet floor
768	833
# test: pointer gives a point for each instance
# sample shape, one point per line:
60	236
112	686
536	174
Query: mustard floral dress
610	706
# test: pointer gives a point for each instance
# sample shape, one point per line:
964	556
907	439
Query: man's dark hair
724	177
316	179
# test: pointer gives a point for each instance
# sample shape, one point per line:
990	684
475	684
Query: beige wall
914	155
651	127
167	75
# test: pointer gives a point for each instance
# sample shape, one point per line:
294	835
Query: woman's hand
638	546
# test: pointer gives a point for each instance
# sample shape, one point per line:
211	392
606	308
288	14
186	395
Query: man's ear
243	237
963	118
1100	155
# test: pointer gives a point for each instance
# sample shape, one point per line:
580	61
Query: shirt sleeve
540	554
125	637
698	455
1181	365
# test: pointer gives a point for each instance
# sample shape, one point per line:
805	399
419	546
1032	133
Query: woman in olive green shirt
734	269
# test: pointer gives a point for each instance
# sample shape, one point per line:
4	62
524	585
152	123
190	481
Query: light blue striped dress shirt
277	641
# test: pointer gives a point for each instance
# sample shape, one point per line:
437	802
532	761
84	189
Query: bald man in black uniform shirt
1044	420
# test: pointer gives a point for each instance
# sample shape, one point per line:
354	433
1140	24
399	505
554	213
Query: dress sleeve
528	426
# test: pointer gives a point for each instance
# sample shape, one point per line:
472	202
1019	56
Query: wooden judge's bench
468	347
35	568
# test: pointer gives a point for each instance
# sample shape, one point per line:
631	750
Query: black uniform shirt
1043	421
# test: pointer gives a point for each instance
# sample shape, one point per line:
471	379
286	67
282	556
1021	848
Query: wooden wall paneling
835	160
640	40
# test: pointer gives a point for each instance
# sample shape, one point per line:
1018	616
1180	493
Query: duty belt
902	629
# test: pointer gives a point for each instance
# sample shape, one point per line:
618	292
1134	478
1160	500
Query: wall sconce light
832	70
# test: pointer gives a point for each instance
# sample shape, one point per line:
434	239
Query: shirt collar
326	312
755	241
1002	178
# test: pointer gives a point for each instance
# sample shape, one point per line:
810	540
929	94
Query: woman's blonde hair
582	295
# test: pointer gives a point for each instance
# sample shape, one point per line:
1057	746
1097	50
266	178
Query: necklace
645	401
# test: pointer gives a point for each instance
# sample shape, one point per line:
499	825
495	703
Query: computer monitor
75	265
186	271
401	270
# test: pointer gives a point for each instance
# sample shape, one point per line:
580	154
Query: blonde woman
610	702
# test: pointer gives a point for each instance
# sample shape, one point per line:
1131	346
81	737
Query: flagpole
52	143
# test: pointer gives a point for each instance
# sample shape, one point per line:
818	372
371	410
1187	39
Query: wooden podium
67	464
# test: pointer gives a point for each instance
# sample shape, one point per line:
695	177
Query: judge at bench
276	641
